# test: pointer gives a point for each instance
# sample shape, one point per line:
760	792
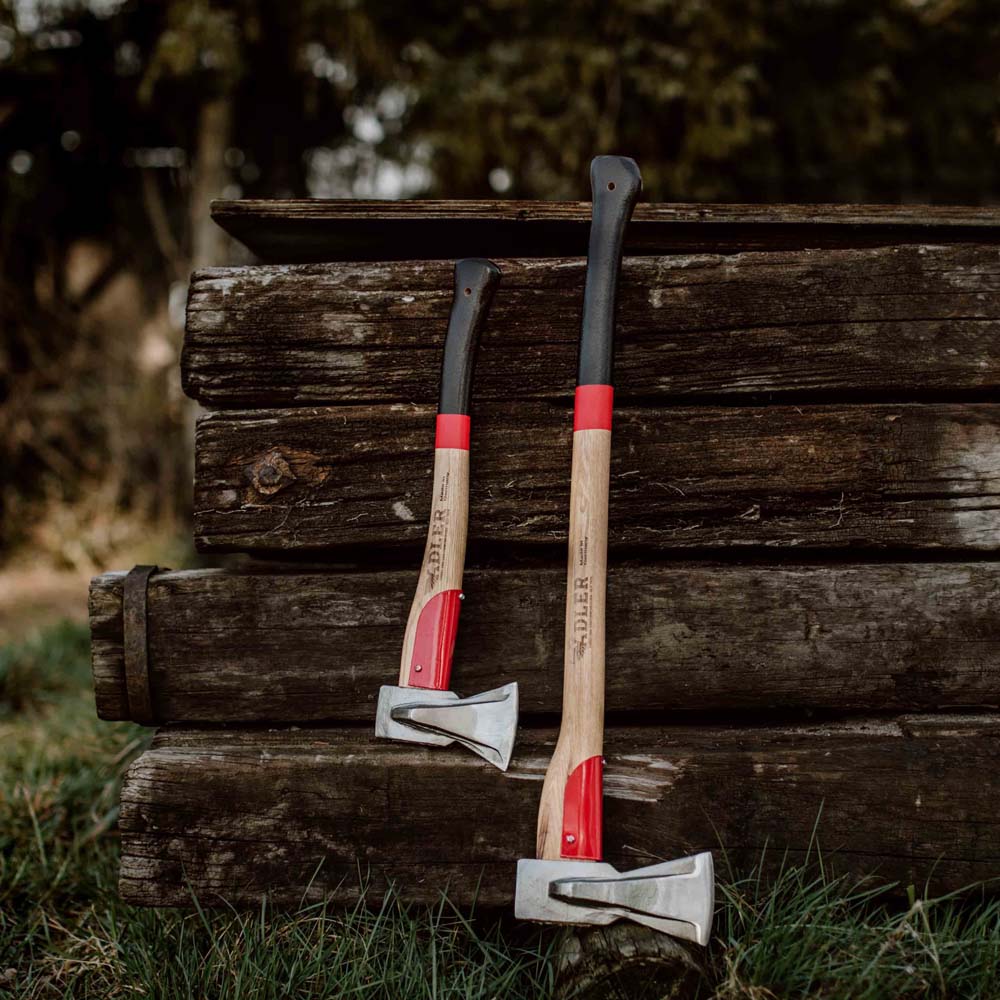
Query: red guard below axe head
421	708
568	882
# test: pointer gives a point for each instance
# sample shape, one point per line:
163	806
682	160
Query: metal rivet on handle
418	668
461	597
570	839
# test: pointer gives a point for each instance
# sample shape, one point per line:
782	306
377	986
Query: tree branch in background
209	177
159	224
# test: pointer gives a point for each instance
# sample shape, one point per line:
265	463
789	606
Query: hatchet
421	708
568	883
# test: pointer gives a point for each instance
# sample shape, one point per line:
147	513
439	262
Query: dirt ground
33	597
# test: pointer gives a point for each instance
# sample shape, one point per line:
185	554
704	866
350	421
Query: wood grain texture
443	564
861	476
244	647
581	725
315	229
232	814
905	320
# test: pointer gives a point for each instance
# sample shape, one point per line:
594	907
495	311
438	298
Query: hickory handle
615	182
443	564
581	731
433	616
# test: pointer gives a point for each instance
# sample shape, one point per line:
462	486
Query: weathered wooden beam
234	814
898	320
291	647
918	476
322	230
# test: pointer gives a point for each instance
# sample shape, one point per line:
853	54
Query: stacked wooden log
805	518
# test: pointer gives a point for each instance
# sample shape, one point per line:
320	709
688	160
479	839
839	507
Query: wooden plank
284	231
900	320
861	476
235	814
292	647
107	646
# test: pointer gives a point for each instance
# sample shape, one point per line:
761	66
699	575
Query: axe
421	708
568	883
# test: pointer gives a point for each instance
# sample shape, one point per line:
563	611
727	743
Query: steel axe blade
422	709
675	897
485	723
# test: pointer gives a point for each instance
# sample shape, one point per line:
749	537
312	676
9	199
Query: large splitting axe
568	883
421	709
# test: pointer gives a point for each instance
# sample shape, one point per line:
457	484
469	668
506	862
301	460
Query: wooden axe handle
429	640
569	816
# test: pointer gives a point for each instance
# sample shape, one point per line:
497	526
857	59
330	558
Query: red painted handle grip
592	407
583	811
452	431
434	642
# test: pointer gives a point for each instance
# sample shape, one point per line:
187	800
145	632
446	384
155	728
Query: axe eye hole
611	185
468	291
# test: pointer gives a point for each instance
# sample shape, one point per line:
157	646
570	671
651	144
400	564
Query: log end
107	655
626	960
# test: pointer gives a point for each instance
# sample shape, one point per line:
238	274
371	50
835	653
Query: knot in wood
271	472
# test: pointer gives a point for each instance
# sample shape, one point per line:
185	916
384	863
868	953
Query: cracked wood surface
331	374
833	476
234	814
327	229
243	647
897	320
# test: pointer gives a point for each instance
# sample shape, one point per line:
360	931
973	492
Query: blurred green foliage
788	100
824	100
40	670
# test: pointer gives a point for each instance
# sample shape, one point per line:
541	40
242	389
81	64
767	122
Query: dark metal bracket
136	644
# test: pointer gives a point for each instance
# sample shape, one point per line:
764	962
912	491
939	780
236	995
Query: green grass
807	933
64	933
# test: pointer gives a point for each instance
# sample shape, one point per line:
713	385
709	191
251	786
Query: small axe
422	709
568	883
